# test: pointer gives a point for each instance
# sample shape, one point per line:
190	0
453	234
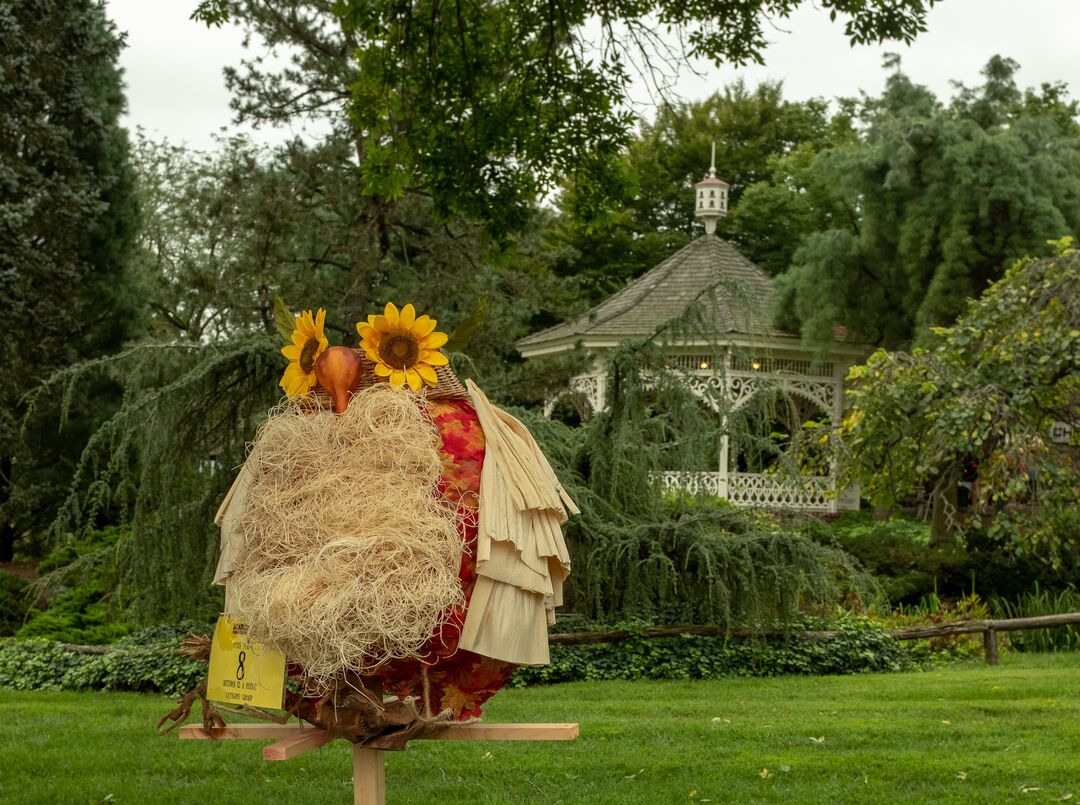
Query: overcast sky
175	87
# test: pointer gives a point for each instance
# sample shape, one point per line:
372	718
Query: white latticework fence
756	490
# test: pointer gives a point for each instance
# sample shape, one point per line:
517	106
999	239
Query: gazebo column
722	478
725	440
836	415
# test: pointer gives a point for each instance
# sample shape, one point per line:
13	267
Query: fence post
990	644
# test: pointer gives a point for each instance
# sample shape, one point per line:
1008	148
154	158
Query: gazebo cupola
712	196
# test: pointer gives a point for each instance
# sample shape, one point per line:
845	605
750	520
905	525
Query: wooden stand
369	768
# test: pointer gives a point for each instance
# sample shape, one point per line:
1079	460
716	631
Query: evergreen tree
67	219
931	205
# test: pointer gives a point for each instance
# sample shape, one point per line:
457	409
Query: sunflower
308	343
403	348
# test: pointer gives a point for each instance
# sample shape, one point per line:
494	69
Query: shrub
78	592
1041	602
861	647
79	615
932	610
14	603
908	568
148	662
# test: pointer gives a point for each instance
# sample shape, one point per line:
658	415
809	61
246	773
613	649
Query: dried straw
349	556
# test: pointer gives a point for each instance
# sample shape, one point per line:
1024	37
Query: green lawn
965	733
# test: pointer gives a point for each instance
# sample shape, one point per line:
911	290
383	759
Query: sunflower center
307	354
398	351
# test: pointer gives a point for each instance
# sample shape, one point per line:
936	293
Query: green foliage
649	215
161	466
148	662
930	206
486	106
80	615
896	553
911	570
861	647
71	549
932	610
14	603
78	599
67	221
986	395
441	94
1037	602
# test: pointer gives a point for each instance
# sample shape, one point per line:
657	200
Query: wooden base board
369	765
457	732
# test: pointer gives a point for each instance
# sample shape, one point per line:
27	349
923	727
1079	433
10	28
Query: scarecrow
393	533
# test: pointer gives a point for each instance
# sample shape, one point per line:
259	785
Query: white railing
807	492
757	490
693	483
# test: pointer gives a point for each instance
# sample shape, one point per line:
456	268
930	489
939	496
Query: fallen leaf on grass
1027	789
820	740
764	774
945	721
1065	798
635	774
961	775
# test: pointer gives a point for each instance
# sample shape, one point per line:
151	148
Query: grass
965	733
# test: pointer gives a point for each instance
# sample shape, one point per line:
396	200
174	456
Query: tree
985	397
67	220
651	212
441	128
486	105
930	206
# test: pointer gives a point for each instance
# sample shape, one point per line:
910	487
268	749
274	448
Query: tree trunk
943	517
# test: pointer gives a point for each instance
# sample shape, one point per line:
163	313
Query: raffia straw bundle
349	556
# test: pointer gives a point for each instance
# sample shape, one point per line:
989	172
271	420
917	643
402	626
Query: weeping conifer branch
164	460
678	556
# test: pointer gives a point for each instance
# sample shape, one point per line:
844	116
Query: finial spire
712	197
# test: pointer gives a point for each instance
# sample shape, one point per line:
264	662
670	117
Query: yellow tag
243	672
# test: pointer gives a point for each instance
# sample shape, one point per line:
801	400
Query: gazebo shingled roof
741	299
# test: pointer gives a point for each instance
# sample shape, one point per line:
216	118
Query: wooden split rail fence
988	628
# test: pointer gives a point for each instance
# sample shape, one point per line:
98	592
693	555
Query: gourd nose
338	371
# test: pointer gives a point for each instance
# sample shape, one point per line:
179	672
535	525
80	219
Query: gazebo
754	354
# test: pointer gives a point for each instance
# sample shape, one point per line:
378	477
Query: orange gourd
338	371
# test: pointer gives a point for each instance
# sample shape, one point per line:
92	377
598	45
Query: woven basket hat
448	387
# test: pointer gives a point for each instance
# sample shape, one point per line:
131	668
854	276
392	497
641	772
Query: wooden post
369	776
990	644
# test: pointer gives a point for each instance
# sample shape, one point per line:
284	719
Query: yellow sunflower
403	348
308	343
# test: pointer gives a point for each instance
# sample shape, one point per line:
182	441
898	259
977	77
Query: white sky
176	90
